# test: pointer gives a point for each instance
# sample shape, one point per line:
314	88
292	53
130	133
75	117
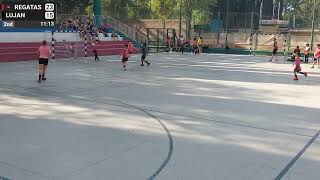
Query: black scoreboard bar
31	15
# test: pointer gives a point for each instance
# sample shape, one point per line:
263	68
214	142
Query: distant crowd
83	24
194	45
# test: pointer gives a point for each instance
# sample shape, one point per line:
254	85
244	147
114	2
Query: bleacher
23	46
26	51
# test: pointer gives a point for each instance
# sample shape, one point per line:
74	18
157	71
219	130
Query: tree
163	8
201	8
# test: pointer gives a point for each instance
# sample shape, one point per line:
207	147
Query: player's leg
40	72
95	55
74	53
142	62
304	73
314	62
306	58
125	64
144	59
271	57
44	72
45	65
295	75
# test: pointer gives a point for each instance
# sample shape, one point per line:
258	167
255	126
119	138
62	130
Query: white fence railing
125	29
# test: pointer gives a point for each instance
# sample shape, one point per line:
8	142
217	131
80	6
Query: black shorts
274	52
143	57
43	61
124	59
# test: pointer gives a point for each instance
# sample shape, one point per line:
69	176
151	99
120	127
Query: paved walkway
186	117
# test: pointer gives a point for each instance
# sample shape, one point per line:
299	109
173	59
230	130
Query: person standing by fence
182	44
200	44
274	49
306	53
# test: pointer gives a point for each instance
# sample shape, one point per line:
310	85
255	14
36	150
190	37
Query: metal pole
53	49
218	32
227	24
251	34
158	39
261	12
245	22
180	20
313	16
279	11
251	26
85	47
273	4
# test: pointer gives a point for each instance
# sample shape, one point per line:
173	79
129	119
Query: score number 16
49	15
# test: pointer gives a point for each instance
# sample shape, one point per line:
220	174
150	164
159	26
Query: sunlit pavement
183	118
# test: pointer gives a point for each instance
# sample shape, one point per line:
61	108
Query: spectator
297	51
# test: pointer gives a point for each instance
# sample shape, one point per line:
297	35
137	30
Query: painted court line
170	138
294	160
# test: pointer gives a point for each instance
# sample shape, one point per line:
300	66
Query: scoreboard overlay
37	15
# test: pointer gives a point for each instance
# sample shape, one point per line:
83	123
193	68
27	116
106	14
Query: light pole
245	22
313	14
180	18
227	24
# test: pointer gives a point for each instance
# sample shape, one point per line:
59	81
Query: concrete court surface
186	117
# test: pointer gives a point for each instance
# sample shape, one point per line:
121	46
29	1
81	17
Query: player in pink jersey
44	55
125	57
297	68
95	51
316	56
130	48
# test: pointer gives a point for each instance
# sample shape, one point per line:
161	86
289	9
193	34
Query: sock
296	76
